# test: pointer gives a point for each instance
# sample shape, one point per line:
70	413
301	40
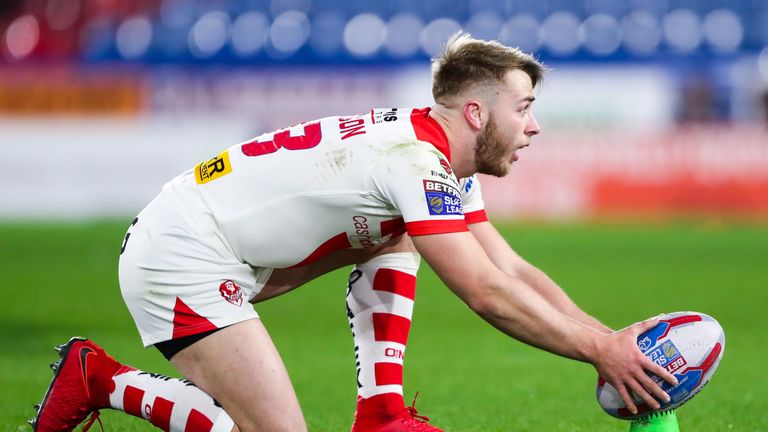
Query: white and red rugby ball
689	345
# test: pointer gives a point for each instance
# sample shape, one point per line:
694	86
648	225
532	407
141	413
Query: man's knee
257	398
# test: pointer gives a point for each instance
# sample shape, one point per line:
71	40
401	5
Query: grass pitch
60	280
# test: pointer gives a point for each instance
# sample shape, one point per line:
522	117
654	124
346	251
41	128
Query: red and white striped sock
380	299
171	404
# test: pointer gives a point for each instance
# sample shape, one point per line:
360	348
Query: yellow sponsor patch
212	169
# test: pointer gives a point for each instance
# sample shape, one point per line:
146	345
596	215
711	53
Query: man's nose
532	128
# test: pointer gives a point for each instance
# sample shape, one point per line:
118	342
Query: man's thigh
240	367
178	280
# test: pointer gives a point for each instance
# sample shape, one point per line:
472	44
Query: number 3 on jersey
283	139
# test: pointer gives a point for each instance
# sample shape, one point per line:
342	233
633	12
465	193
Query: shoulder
419	158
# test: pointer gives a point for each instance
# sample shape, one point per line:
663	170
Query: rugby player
378	190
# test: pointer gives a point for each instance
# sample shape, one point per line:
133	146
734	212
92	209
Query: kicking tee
289	197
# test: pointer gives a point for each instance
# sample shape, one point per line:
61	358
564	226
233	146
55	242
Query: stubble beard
490	151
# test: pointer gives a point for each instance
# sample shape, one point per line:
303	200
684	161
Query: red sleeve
427	227
475	217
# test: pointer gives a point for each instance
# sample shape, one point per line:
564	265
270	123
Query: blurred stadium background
653	106
655	124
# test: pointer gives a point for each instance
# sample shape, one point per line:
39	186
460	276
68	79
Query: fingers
659	371
640	388
638	384
649	365
651	386
626	398
646	325
649	390
628	368
640	327
640	391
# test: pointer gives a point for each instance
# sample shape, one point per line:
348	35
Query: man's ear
473	114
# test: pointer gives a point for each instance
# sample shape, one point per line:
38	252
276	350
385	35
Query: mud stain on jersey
414	152
333	164
338	159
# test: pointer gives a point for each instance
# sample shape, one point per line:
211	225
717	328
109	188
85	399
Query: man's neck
459	139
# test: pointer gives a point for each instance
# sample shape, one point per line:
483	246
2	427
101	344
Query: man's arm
285	280
512	306
501	254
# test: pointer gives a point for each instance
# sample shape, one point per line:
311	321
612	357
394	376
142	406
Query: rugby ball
687	344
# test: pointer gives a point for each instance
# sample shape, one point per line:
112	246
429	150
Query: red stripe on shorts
187	322
388	373
198	422
132	401
391	328
396	282
161	413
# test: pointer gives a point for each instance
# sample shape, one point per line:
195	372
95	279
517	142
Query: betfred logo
442	199
231	292
436	186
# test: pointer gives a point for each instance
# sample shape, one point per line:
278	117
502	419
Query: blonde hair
467	61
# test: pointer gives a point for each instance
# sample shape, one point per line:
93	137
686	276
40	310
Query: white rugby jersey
289	197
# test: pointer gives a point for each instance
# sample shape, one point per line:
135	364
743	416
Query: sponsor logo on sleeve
444	176
442	199
468	184
384	115
446	166
212	169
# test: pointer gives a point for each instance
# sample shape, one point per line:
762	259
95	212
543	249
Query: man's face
496	148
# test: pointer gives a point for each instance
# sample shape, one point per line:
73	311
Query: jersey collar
429	130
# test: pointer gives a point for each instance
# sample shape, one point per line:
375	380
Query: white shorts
178	275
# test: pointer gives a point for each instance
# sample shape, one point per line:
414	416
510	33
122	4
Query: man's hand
512	306
620	362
